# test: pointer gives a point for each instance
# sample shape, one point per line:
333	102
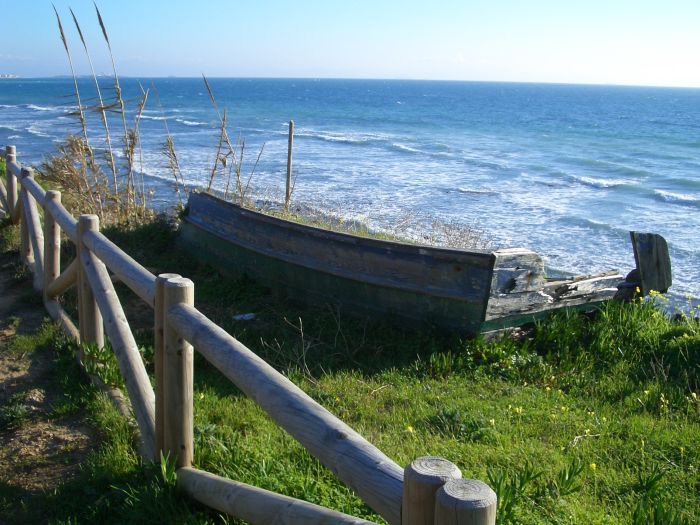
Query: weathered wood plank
653	262
255	505
367	276
364	468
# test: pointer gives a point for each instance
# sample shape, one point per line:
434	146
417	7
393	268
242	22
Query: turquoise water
565	170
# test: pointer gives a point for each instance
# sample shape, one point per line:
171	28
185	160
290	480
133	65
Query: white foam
35	131
677	198
41	108
601	183
190	122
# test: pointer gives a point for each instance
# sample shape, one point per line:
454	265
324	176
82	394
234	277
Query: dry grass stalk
75	168
87	155
101	108
230	156
120	102
170	153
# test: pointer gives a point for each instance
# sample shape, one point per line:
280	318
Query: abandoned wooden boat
466	291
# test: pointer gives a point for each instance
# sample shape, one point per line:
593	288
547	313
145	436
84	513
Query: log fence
428	491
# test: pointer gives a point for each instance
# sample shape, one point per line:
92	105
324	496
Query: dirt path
39	449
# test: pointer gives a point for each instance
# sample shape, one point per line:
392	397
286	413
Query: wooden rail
430	491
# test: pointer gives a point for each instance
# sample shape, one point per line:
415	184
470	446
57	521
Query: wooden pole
255	505
91	330
158	344
125	349
421	480
132	274
64	281
365	469
52	243
178	377
465	502
26	253
288	192
11	156
33	231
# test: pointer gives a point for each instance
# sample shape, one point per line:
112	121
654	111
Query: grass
590	419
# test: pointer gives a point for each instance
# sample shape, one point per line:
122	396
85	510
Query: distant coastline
8	75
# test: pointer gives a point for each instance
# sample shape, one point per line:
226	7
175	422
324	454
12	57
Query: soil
41	451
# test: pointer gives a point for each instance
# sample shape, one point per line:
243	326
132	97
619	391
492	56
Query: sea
565	170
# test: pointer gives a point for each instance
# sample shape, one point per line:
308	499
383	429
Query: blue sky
643	42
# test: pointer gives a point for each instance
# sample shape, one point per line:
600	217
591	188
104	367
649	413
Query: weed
14	412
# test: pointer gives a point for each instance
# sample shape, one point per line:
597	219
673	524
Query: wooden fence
428	491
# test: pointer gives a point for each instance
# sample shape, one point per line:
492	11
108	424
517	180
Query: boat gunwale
348	237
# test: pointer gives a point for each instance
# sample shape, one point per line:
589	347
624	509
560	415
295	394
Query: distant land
8	75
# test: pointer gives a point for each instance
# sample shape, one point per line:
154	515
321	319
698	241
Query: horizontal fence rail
365	469
429	491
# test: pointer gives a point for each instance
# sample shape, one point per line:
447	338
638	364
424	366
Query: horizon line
383	79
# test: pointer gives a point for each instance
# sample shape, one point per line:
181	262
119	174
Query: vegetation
585	419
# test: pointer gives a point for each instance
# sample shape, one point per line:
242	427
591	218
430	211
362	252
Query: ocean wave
344	138
7	106
407	149
612	167
600	183
42	108
35	131
477	191
150	117
13	137
677	198
190	122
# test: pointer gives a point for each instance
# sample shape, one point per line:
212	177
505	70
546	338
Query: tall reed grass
79	165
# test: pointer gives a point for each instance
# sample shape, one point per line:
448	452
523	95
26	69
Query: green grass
589	419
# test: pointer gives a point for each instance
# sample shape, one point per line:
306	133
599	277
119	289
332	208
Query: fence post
91	329
462	501
52	241
288	188
11	156
27	254
158	344
33	231
421	480
178	377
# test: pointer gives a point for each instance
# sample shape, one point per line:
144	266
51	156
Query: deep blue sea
566	170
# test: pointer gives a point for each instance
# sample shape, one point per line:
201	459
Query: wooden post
288	192
178	377
91	329
11	156
421	480
33	232
465	502
52	242
158	344
26	253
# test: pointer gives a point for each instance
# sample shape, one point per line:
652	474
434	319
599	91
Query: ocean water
565	170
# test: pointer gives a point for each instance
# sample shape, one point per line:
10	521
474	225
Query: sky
633	42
